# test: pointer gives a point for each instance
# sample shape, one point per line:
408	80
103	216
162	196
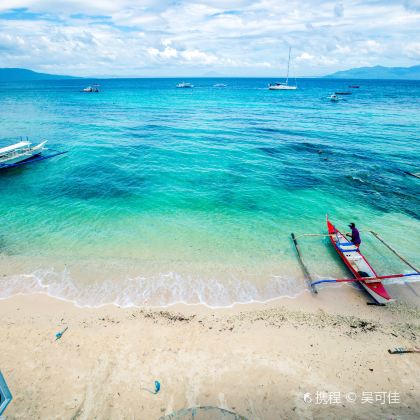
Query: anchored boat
334	98
24	152
91	89
284	86
184	85
19	152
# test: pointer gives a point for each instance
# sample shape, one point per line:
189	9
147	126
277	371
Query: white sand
256	360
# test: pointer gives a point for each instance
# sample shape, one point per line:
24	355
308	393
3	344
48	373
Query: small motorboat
343	93
334	98
219	85
91	89
354	86
184	85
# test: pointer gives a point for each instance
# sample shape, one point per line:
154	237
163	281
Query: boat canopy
14	147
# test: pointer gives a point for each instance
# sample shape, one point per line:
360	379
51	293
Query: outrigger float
356	262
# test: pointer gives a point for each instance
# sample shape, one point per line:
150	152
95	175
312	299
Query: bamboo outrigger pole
305	269
322	234
365	279
394	251
416	175
313	234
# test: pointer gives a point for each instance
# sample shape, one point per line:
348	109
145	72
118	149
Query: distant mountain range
12	74
378	72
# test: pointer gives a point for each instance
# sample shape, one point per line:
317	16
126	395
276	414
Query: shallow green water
173	195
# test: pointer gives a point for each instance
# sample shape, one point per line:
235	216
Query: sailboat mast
288	67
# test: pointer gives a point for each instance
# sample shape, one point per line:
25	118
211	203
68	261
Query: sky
164	38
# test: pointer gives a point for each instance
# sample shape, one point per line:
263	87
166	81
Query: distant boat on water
334	98
91	89
219	85
284	86
184	85
354	86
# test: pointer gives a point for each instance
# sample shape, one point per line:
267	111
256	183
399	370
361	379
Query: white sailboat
284	86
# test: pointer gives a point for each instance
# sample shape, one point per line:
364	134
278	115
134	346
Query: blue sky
207	37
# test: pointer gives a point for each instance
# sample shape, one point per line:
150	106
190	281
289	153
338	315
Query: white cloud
167	53
199	57
412	50
305	57
248	37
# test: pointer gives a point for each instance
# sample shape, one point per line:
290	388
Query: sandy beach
209	210
257	360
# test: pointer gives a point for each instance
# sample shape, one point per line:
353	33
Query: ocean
173	195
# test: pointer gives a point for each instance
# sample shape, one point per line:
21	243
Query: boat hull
357	264
22	155
282	87
19	159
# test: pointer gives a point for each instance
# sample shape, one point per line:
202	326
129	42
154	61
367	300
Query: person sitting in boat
355	235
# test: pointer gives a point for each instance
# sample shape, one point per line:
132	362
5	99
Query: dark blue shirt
355	236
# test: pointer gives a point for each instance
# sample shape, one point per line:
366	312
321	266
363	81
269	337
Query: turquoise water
190	195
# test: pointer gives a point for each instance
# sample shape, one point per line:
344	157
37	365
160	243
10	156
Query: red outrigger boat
357	264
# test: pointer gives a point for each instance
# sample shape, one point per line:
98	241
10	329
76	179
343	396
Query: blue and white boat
19	152
24	152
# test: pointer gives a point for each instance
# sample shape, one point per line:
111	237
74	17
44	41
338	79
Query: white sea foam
161	290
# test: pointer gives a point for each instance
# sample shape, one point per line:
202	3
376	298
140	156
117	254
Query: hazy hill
378	72
15	74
